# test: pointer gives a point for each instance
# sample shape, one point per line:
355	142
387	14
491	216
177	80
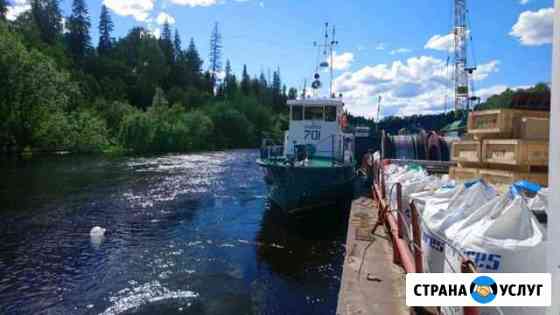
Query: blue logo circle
484	289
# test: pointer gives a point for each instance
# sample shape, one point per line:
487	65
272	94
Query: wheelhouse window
297	112
314	113
330	113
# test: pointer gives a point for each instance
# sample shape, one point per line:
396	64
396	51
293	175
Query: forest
138	93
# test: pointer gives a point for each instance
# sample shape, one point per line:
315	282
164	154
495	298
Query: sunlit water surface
186	234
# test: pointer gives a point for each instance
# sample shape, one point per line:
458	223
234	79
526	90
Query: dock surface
371	284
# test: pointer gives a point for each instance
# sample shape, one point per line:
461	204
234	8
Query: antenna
328	52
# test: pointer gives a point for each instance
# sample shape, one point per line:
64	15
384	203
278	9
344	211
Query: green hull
300	189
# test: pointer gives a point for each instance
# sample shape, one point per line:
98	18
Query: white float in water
97	235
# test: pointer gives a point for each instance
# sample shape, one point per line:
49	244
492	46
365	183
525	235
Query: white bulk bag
441	213
443	193
502	236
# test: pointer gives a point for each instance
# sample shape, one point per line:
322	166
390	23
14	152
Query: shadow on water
309	240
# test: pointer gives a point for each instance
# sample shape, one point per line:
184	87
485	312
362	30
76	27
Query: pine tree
78	25
230	81
215	52
262	81
245	81
105	29
48	18
177	50
292	94
276	88
3	9
166	43
193	63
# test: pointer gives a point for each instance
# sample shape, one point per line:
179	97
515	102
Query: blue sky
396	49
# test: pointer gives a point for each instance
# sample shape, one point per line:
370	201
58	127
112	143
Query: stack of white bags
499	233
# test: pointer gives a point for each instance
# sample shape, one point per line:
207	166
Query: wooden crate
499	123
534	128
466	151
463	173
506	178
515	152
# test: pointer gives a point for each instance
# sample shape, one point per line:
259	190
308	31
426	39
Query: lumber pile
503	146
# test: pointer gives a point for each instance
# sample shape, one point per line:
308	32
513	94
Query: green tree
230	82
276	89
78	25
105	29
88	131
177	49
166	44
193	64
48	17
292	94
201	129
245	81
31	87
233	129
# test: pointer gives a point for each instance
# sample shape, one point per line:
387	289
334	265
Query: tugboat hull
301	189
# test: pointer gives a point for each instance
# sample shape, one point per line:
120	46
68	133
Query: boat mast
332	44
328	53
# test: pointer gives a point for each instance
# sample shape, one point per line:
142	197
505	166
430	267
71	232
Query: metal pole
332	150
400	220
417	238
553	253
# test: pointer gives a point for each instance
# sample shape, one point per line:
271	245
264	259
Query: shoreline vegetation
145	94
135	94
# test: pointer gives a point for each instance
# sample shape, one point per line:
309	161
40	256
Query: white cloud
261	4
418	85
441	42
482	71
524	1
139	9
18	7
400	51
162	17
534	28
342	61
195	3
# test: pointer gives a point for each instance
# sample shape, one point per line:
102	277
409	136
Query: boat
315	166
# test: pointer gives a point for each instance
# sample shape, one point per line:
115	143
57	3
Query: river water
186	234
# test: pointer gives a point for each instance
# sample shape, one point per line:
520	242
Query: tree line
138	93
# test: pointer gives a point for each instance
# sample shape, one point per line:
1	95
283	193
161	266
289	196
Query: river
186	234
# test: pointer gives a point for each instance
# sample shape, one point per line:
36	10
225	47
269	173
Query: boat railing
269	150
340	149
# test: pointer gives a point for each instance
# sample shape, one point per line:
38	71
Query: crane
461	71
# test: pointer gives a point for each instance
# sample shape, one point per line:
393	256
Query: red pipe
407	260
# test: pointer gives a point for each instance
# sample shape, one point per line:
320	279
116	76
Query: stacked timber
503	146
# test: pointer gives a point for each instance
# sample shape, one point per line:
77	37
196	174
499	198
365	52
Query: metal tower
461	72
